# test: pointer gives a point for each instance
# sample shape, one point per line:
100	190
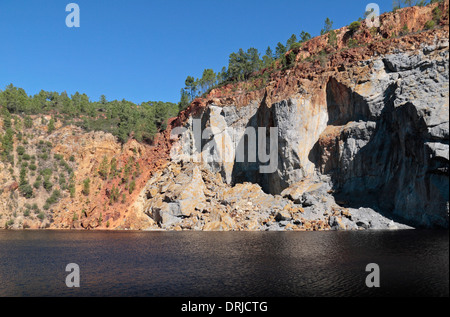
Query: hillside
362	135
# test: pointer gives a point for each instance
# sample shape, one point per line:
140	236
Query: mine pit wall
299	125
383	137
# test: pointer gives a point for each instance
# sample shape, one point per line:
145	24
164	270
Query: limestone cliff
372	119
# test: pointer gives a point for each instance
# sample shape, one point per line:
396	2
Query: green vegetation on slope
123	119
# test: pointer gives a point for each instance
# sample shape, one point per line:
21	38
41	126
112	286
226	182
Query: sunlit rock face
349	135
382	136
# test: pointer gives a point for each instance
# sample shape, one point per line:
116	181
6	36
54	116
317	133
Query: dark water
288	264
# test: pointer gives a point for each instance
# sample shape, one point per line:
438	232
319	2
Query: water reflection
413	263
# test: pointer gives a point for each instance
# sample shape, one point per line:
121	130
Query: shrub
429	25
113	169
46	172
404	30
28	122
352	43
23	176
323	58
86	186
114	195
47	184
100	219
354	26
132	186
291	59
64	164
103	168
20	150
437	14
26	190
332	38
295	45
54	197
62	179
51	126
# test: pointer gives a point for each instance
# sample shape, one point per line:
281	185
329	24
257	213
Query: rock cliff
369	123
354	136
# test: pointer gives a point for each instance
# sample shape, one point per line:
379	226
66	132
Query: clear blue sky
143	50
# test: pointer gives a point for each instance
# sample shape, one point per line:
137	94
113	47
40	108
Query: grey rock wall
383	140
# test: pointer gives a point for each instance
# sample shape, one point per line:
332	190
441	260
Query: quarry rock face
395	156
373	129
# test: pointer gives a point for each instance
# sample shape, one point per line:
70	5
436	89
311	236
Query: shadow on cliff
248	170
392	173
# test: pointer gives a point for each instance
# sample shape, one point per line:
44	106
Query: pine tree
280	50
304	36
328	27
184	100
191	87
291	41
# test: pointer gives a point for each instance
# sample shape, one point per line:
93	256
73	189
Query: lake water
205	264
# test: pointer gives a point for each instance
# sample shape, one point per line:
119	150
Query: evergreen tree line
124	119
242	65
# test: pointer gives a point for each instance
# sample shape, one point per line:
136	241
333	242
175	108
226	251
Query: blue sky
143	50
